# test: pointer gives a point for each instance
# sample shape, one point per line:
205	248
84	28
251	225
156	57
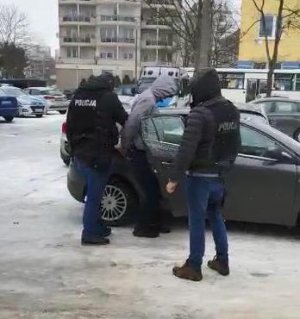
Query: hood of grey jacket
144	105
164	86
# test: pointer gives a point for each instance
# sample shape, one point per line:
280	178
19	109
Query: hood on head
96	83
205	86
164	86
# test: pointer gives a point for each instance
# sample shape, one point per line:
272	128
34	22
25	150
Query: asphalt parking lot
46	274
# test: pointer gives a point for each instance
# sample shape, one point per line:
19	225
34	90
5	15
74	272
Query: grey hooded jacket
144	105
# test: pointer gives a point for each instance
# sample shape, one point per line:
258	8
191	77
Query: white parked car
55	99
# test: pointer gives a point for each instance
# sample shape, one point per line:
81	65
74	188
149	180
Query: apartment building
117	36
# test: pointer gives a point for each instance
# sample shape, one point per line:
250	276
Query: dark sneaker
107	232
219	266
94	240
187	272
164	230
147	232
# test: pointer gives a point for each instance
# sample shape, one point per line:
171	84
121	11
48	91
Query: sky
43	19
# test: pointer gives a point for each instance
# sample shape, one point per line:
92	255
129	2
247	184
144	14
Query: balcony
75	61
117	19
78	41
77	19
134	2
117	41
154	24
86	2
169	4
160	44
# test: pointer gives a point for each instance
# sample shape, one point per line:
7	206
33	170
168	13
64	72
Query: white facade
119	36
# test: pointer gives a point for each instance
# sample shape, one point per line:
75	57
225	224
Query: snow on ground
46	274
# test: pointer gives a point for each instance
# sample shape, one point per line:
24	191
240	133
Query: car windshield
13	91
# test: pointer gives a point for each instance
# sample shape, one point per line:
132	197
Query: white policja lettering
90	103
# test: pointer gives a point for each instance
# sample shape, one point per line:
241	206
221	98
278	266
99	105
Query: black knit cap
205	85
103	81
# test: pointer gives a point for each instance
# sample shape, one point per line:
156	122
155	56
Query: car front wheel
62	112
8	119
119	203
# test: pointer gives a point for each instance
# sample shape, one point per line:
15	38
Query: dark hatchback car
263	186
283	114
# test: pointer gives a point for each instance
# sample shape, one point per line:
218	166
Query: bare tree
286	19
225	35
13	25
192	21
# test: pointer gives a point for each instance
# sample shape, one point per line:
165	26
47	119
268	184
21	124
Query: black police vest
227	140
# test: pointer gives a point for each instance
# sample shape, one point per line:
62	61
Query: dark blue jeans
96	180
205	196
150	208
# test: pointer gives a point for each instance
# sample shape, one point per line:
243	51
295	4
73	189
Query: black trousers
150	211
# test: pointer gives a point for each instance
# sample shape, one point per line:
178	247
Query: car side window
170	129
285	107
268	107
257	144
35	92
149	131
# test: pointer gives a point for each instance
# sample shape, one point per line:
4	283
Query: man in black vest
92	133
209	147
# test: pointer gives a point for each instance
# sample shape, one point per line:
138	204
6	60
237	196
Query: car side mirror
280	156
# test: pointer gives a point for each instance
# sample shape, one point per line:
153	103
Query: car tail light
48	97
64	128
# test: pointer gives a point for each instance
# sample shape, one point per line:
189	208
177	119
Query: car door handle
167	163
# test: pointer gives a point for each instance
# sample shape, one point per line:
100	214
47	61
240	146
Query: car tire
297	135
62	112
39	115
119	203
8	119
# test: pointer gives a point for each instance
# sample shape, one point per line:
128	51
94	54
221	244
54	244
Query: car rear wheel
119	203
8	119
297	135
62	112
39	115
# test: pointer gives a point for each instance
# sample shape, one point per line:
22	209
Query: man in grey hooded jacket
145	105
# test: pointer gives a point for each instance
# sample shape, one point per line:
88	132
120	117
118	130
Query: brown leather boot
187	272
219	266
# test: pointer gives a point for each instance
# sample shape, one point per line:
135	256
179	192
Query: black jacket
91	121
211	139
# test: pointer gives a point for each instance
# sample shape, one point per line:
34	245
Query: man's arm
118	112
69	121
130	130
133	124
190	140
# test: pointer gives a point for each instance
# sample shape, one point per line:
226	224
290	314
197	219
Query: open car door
162	136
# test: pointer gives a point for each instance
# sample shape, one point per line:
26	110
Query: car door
162	135
261	186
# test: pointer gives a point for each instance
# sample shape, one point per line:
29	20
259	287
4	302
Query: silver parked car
55	99
283	114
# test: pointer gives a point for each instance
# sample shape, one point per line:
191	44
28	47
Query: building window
72	53
270	27
107	55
